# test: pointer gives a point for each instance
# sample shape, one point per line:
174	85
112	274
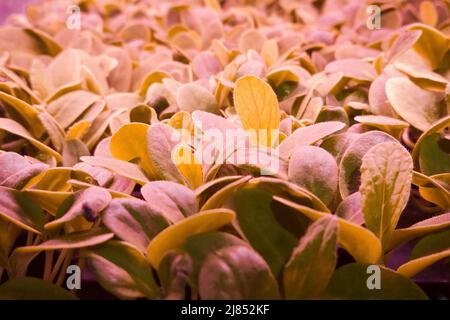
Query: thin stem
29	238
62	272
48	264
36	241
58	264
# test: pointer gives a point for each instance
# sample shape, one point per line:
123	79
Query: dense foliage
341	165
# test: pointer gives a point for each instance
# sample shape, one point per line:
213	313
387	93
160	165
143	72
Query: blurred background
8	7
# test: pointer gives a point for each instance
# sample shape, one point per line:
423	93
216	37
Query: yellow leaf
217	199
130	142
413	267
387	124
78	130
428	13
55	179
417	106
432	188
189	166
174	236
432	44
152	77
29	113
423	77
257	107
80	185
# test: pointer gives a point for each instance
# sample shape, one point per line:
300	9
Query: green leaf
174	273
338	143
28	288
419	229
281	187
313	261
21	210
432	243
385	186
174	199
16	128
135	221
350	282
218	199
427	251
314	169
435	128
87	203
161	143
8	236
122	270
258	223
349	173
16	171
361	243
236	273
350	209
200	245
434	157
